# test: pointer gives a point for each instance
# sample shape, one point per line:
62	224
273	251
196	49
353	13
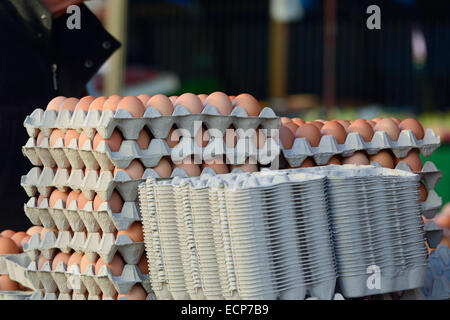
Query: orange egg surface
133	105
112	102
286	137
97	103
135	293
60	257
413	125
135	170
221	101
69	136
364	129
143	140
384	158
358	158
390	127
413	160
163	169
134	232
84	103
34	229
58	195
114	142
334	128
310	133
115	267
8	246
55	103
55	136
191	102
6	284
8	233
249	103
69	104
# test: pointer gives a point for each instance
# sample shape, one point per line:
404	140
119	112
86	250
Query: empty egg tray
93	245
328	146
48	282
105	122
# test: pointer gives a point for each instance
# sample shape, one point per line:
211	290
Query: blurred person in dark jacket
40	58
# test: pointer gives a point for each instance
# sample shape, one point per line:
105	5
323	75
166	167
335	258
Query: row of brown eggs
314	130
12	242
165	105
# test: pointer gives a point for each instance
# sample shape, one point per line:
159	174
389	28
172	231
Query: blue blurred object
437	283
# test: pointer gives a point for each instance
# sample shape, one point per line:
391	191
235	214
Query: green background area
441	158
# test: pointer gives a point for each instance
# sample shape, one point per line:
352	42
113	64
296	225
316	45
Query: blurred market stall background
307	58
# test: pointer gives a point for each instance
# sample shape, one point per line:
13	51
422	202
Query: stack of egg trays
430	175
130	127
70	284
223	272
328	146
375	222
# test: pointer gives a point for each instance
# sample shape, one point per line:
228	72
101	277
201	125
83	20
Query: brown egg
308	163
285	120
135	293
259	139
82	140
358	158
191	102
135	170
286	137
115	267
39	139
221	101
42	260
318	124
61	256
390	127
163	169
248	166
292	126
97	103
232	98
423	192
75	258
114	142
133	105
384	158
310	133
85	262
249	103
115	202
40	199
6	284
344	123
217	164
82	200
363	128
413	160
335	129
73	195
202	137
69	136
396	120
298	121
24	240
143	140
203	97
192	169
334	160
84	103
8	233
376	120
97	202
112	102
134	232
8	246
173	138
230	137
414	126
55	103
143	264
34	229
55	136
173	99
18	237
144	98
56	195
69	104
372	123
45	230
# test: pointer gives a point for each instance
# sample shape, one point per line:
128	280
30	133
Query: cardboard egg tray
79	158
328	146
430	176
87	219
23	270
15	295
93	245
105	122
46	180
3	269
